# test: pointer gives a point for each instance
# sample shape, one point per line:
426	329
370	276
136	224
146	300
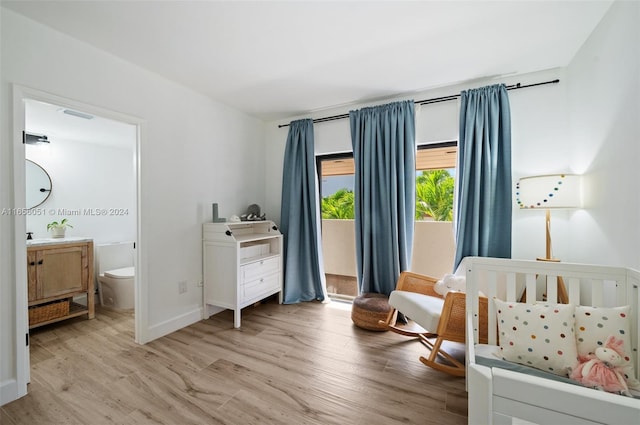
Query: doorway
91	156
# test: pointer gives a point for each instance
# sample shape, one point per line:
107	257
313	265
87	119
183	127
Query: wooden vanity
57	271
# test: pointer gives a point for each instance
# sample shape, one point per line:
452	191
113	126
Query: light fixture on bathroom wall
77	114
34	139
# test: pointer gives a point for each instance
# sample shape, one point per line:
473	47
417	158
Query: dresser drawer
253	271
260	286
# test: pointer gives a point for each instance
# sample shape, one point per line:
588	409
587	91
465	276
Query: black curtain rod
432	100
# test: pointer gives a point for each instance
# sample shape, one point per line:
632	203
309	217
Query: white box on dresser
242	264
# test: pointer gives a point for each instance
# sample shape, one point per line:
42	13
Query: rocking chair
416	298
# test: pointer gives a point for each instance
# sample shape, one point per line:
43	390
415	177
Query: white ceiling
52	121
275	60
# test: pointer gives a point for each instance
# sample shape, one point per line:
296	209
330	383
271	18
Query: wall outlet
182	287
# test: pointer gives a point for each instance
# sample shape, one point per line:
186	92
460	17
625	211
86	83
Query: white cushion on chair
425	310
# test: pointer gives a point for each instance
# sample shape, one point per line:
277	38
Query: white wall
85	177
604	112
193	151
588	123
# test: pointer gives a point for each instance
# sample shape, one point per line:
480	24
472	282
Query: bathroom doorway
90	157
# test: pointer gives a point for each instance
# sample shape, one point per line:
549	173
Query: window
435	173
336	185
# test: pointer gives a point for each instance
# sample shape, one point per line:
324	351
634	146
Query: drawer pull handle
40	262
228	233
33	263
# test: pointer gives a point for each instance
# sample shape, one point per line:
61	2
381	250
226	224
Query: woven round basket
368	309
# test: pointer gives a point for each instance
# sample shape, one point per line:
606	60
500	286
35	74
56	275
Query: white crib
501	396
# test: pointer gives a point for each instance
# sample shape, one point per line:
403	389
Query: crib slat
633	299
530	282
492	287
622	295
574	291
552	289
597	293
511	287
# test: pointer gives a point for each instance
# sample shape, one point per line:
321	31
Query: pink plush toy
603	370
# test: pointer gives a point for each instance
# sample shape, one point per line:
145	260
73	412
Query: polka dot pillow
595	324
538	335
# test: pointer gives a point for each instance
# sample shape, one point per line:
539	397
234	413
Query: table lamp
547	192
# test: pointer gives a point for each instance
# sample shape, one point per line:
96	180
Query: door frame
20	95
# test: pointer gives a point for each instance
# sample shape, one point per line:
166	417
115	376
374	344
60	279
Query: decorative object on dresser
253	214
214	214
56	273
242	264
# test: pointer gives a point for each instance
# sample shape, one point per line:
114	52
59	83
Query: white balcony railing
433	248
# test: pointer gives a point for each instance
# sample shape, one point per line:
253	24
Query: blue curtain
304	278
483	201
384	151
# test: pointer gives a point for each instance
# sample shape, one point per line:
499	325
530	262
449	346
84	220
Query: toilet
116	275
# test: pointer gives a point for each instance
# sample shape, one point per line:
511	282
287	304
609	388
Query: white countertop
53	241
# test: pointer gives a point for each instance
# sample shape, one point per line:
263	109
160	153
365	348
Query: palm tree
340	205
434	195
434	198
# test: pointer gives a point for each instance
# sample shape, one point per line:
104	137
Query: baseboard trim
174	324
211	310
8	391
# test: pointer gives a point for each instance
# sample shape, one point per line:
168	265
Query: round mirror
38	184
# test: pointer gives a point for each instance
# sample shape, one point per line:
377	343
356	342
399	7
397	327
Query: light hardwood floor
288	364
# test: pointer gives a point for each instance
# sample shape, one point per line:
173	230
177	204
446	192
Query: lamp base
563	296
553	260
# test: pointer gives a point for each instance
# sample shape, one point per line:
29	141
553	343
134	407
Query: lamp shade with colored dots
549	191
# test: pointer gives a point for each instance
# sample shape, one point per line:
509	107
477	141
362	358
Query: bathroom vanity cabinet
58	271
242	264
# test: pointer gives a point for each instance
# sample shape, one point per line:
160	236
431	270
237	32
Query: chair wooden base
411	330
452	367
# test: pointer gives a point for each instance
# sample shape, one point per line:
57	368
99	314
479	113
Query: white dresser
242	264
